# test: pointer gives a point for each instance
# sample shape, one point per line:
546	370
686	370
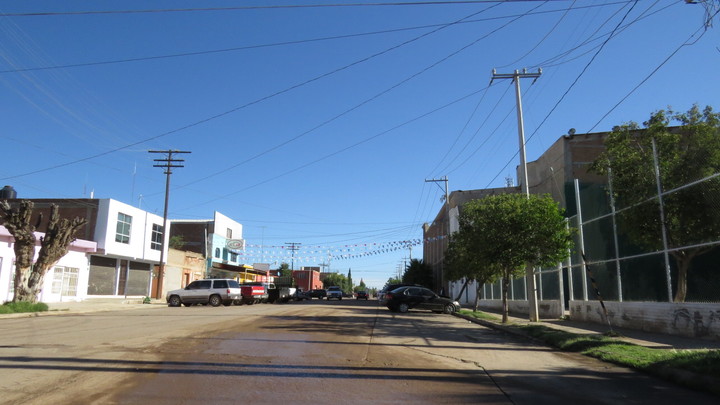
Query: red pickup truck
252	293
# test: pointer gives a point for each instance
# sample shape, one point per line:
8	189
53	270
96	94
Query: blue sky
319	125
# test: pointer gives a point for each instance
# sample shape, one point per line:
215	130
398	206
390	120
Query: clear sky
319	125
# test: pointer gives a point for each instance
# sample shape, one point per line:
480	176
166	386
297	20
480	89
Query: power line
265	7
284	43
612	34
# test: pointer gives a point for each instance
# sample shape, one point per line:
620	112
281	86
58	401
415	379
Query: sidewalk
91	305
640	338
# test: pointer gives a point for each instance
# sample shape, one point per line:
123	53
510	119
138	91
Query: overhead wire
562	97
245	8
256	101
344	149
219	115
657	68
547	34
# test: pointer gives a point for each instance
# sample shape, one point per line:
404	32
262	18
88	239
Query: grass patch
22	307
479	315
704	362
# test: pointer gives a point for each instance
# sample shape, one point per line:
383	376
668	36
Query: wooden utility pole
168	164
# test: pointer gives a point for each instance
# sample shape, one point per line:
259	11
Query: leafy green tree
284	270
418	272
505	233
360	287
687	153
393	280
461	262
337	279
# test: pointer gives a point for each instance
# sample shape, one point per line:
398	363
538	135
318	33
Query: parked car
404	298
212	291
334	292
390	287
301	295
317	293
362	295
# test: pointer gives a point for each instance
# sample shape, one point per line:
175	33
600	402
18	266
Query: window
157	237
220	284
65	281
233	256
217	253
122	233
229	233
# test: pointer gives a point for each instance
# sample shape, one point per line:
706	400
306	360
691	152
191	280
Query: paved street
312	352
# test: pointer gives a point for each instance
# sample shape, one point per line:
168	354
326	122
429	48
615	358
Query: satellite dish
571	131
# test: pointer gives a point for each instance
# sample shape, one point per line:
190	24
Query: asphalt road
315	352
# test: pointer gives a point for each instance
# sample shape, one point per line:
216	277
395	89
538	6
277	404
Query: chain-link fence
637	249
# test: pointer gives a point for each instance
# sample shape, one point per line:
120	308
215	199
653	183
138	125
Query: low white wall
698	320
546	309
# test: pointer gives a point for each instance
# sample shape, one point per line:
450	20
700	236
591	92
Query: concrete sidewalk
91	305
647	339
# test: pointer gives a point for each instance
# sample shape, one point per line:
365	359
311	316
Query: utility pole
168	164
445	231
529	273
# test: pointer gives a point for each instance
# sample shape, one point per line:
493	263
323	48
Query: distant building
307	278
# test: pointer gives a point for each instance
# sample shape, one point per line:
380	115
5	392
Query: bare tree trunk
477	295
467	280
683	268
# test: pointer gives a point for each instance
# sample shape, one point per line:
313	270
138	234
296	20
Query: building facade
128	239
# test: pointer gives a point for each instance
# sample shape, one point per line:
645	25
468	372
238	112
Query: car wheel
449	309
403	307
174	301
215	300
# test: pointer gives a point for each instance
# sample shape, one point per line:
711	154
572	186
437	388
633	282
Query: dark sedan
404	298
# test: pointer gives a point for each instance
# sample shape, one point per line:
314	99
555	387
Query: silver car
212	291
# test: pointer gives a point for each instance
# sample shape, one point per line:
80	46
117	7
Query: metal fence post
662	222
569	267
581	239
615	237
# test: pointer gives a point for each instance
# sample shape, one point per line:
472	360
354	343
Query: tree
176	242
337	279
461	262
284	270
505	233
686	154
360	287
53	246
418	272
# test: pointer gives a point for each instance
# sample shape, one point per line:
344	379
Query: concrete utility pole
446	227
168	163
516	76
